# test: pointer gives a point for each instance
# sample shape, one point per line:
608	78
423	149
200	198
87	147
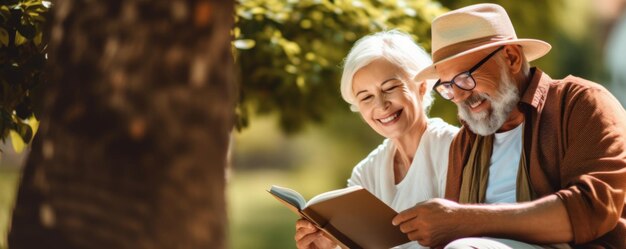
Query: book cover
353	216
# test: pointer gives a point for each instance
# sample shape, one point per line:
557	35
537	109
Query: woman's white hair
394	46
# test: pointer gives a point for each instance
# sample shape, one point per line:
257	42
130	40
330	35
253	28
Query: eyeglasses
463	80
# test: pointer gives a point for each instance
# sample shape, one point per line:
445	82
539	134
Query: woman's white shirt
425	179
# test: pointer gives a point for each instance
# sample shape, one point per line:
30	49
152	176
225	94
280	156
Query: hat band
463	46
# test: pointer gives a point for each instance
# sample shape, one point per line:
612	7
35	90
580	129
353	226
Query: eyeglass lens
463	80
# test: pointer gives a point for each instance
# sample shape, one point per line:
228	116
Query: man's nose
459	95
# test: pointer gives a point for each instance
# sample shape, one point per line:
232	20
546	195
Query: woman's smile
390	119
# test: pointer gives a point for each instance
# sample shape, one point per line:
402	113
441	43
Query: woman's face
388	100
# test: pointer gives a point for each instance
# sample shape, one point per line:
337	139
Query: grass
9	178
256	219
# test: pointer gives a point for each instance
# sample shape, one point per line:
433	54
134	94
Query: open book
352	215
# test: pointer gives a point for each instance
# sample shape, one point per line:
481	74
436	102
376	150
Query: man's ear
513	55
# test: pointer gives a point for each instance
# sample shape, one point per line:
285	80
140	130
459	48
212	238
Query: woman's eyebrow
362	91
384	82
387	80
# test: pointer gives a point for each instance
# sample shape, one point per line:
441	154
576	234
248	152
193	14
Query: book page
332	194
289	195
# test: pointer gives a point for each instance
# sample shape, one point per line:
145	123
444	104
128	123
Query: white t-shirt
425	179
503	167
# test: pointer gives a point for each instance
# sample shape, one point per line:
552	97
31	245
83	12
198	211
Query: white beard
489	121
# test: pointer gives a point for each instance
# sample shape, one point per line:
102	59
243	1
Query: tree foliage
290	52
22	59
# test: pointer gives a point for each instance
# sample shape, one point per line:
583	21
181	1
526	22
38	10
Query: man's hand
437	222
309	237
433	223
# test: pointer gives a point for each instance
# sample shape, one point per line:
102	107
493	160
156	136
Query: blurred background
294	130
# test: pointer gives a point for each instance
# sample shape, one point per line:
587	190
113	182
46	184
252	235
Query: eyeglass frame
468	73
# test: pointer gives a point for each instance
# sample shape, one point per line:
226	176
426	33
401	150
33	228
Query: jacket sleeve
593	169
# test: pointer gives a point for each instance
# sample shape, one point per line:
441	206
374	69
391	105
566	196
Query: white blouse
425	179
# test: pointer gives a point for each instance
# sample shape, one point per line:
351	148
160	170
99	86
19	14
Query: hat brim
533	49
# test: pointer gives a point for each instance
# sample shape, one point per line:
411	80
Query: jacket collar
536	90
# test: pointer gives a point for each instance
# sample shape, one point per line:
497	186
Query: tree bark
132	147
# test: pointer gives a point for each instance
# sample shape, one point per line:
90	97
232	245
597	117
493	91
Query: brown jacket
576	145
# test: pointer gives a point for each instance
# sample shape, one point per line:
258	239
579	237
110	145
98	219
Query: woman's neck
406	146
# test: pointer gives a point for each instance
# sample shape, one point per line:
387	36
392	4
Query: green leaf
5	13
25	131
37	39
19	39
4	37
257	10
39	18
244	43
17	142
34	124
36	7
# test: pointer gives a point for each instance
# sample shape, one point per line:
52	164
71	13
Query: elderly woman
410	165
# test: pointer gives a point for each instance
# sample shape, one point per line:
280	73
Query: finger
409	226
422	239
306	241
304	223
405	215
308	229
399	219
303	231
415	236
325	241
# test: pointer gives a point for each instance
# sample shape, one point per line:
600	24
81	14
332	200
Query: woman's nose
382	101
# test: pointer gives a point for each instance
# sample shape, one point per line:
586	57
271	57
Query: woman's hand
309	237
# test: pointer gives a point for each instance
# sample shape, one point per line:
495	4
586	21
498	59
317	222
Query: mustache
475	97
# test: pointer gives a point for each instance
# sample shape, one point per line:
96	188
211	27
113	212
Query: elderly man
538	163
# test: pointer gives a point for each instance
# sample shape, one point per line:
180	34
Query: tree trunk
132	148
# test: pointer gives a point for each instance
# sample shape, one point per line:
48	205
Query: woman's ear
422	88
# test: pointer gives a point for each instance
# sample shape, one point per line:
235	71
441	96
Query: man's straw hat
473	28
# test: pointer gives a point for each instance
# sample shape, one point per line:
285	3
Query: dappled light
290	126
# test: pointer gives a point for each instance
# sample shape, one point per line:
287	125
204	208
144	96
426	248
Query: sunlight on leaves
299	47
244	44
17	142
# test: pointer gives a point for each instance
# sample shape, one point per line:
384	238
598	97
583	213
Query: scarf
476	174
